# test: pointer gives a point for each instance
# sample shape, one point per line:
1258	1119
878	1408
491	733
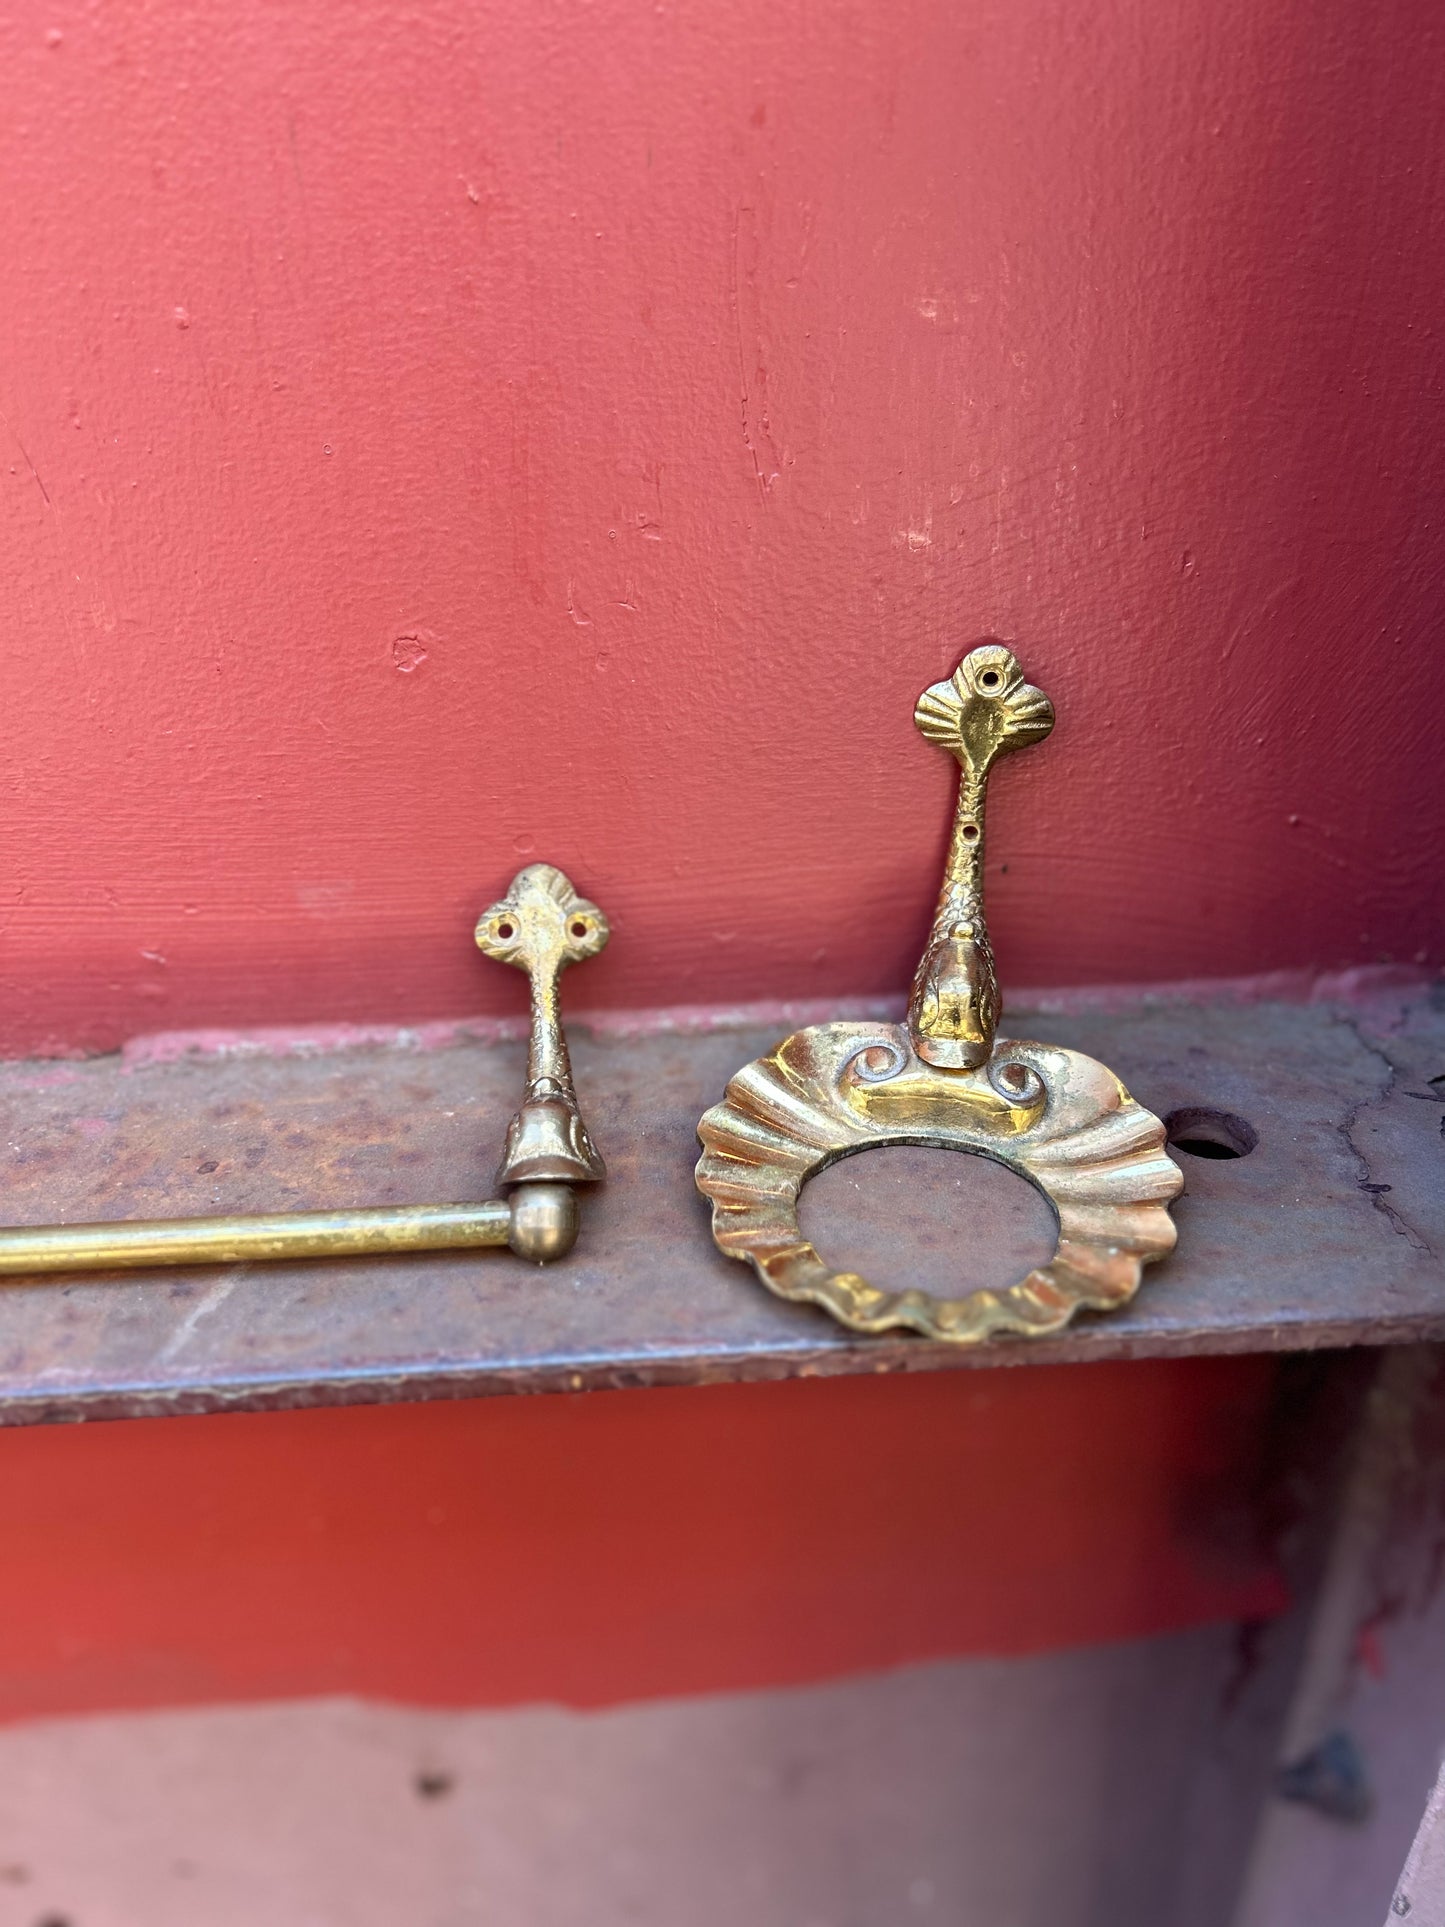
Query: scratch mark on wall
757	423
28	463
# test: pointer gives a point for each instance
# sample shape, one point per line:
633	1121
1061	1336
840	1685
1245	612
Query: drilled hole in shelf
1200	1132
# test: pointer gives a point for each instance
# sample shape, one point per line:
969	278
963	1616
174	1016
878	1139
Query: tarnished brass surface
945	1078
984	710
541	926
544	1221
140	1243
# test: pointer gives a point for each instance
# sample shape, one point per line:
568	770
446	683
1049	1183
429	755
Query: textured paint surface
440	436
642	1544
1060	1790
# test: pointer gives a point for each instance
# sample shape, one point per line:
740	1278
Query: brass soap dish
945	1079
541	926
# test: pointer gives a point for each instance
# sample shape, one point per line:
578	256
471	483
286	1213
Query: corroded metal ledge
1331	1232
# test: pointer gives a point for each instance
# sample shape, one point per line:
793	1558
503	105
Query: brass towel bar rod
140	1243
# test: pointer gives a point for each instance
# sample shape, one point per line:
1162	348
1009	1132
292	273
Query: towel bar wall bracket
541	926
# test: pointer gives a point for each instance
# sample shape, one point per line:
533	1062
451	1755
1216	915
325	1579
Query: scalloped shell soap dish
945	1078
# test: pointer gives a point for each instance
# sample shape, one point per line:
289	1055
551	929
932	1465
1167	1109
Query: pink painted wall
444	434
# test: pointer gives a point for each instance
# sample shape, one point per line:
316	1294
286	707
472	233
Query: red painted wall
633	1544
444	434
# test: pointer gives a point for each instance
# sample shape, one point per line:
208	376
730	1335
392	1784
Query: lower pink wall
632	1545
442	435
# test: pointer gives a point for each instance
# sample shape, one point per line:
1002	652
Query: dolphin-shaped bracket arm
984	710
541	926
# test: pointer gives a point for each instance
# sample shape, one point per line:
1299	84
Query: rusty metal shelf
1332	1232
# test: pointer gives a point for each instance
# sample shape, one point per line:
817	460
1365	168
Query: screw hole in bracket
1203	1133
